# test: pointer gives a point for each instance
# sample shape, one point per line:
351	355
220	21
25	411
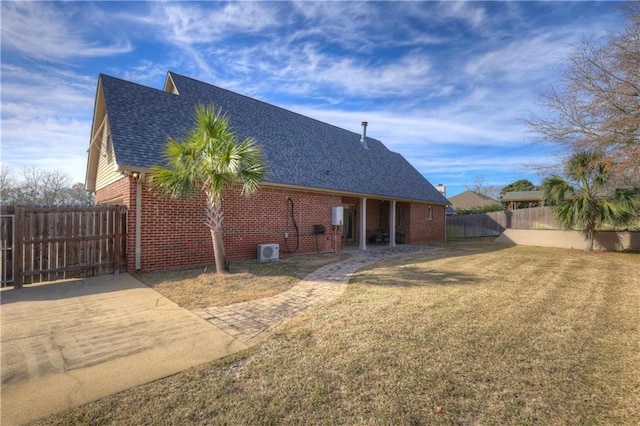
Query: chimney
363	139
442	189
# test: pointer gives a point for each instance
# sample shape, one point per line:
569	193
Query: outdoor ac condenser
268	252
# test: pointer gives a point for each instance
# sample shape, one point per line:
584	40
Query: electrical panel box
337	215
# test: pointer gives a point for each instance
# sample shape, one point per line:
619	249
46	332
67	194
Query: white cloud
50	143
399	78
36	93
471	13
306	70
42	31
521	60
184	23
46	119
399	130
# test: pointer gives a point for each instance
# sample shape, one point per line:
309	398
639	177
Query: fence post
18	245
117	244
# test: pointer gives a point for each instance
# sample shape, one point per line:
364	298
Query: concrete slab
68	343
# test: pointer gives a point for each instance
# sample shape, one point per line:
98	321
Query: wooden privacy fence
494	223
52	243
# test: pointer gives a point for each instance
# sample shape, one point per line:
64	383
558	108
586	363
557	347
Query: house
523	199
312	167
470	200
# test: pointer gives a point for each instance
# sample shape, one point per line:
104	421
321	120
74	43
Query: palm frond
589	204
209	158
556	190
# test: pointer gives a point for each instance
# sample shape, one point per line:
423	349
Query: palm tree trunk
214	222
218	252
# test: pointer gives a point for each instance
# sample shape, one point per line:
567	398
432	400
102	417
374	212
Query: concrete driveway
71	342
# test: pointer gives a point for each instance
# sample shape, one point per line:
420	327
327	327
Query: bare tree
41	187
480	186
597	106
38	187
7	185
76	195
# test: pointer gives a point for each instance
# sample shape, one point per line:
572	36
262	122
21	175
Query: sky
445	84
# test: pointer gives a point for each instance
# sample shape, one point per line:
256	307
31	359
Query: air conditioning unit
268	252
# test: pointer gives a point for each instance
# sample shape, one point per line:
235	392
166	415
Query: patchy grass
476	333
197	288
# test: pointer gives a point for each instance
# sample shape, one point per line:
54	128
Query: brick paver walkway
250	322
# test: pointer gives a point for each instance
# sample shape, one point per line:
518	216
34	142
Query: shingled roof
471	200
299	151
523	196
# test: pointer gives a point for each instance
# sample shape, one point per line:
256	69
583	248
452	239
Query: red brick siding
174	233
423	230
373	217
264	217
115	191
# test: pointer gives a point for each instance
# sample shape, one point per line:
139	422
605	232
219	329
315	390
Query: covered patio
375	222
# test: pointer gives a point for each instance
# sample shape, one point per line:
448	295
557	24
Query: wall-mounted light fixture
134	175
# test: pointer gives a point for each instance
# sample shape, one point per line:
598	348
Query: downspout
139	221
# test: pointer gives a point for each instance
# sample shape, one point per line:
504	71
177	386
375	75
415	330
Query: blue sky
445	84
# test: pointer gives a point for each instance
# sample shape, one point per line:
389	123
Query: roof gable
471	199
299	151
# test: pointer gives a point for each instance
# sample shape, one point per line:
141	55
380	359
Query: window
429	213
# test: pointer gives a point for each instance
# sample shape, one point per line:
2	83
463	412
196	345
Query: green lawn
475	333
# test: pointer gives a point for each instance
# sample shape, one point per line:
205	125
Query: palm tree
210	159
585	201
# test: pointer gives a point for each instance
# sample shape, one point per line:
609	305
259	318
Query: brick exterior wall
115	193
421	229
265	216
174	233
373	217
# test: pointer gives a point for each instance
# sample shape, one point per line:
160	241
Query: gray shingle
299	150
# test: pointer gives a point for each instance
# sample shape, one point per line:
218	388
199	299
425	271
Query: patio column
392	223
363	223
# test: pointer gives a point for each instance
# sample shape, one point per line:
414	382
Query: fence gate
51	243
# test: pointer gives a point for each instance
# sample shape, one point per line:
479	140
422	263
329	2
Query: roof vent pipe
363	139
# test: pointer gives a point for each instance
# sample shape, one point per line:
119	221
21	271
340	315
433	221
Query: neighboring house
470	200
523	199
311	168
